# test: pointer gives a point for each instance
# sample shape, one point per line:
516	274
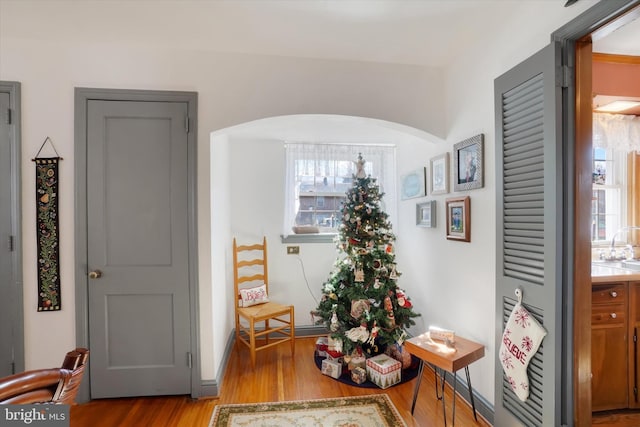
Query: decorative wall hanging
47	230
468	160
413	184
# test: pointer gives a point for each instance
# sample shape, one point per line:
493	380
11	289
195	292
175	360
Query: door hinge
189	360
10	244
635	338
13	367
186	124
8	116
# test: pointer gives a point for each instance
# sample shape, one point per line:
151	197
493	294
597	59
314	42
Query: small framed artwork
413	184
459	219
426	214
468	160
439	174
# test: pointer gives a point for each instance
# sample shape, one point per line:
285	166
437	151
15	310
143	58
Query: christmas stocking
520	341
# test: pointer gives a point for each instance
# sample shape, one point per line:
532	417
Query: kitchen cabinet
634	349
609	346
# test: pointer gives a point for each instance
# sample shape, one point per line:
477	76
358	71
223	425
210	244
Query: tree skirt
358	411
407	374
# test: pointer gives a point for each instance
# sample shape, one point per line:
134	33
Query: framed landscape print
458	215
439	166
468	160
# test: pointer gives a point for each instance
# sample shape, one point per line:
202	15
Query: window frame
616	186
386	153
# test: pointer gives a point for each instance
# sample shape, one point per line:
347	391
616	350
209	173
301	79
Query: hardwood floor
276	378
629	418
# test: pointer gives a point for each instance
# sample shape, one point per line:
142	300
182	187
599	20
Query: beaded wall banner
48	234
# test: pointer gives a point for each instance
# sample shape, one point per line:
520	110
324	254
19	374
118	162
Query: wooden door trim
82	97
582	236
570	35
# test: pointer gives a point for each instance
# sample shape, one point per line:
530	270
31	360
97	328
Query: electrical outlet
293	250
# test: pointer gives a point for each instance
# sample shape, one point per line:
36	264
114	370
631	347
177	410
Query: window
318	176
608	205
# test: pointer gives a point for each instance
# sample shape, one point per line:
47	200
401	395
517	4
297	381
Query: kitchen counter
605	272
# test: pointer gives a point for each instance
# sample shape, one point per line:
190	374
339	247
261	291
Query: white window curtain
380	164
616	131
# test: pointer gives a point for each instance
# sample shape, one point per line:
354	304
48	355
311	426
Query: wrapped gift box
331	368
335	356
400	354
358	375
322	344
384	371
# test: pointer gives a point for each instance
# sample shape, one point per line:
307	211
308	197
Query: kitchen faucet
612	249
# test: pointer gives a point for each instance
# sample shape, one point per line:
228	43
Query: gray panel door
138	249
529	228
6	272
11	301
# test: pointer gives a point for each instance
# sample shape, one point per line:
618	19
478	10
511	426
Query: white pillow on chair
253	296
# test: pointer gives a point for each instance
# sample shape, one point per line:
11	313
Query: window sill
309	238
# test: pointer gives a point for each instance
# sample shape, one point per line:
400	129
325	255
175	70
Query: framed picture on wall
439	166
468	160
426	214
458	215
413	184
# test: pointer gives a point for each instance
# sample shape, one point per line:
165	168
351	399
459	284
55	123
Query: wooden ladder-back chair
250	265
53	386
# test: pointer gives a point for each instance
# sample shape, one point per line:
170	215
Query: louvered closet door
529	228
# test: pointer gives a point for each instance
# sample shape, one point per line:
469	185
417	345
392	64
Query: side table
460	355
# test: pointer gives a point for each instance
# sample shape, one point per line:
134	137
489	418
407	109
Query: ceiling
387	31
623	41
430	33
421	32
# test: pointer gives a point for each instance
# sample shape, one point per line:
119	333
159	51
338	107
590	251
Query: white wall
232	89
458	279
451	283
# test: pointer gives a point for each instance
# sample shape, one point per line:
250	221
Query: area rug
359	411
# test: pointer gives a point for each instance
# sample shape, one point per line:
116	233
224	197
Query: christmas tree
362	305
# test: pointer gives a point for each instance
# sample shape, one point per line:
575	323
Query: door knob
95	274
